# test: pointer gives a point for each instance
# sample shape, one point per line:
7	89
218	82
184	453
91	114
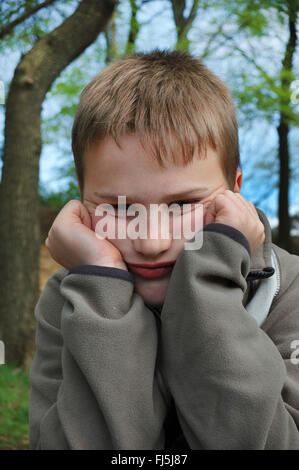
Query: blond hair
170	99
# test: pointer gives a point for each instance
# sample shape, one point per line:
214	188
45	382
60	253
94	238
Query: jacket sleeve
233	387
94	380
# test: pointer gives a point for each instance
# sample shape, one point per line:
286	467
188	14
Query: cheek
110	221
119	242
191	221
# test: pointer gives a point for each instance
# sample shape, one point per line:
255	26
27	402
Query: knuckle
262	233
242	217
73	203
219	196
54	232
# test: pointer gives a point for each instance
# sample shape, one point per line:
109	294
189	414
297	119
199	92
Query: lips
153	265
159	270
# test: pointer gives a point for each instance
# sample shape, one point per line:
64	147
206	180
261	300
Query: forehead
130	169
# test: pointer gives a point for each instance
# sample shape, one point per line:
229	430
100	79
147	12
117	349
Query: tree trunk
284	229
111	44
110	35
134	28
19	200
182	23
284	239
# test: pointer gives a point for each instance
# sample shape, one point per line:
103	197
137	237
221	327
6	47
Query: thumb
210	214
85	216
209	218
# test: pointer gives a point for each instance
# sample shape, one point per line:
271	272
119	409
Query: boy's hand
232	209
71	241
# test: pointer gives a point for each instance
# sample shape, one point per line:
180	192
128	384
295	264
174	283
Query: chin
152	292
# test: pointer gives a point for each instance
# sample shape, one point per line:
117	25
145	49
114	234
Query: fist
232	209
71	240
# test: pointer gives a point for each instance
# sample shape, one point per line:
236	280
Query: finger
85	216
209	218
210	208
78	212
241	197
71	211
210	213
249	204
240	201
237	197
252	207
217	206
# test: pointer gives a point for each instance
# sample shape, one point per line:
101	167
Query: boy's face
130	172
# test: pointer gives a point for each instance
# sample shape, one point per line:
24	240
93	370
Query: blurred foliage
25	34
57	199
256	15
251	41
263	95
249	35
257	24
63	97
14	397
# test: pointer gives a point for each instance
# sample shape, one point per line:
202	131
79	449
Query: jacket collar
260	261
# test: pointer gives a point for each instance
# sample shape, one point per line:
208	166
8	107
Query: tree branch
8	28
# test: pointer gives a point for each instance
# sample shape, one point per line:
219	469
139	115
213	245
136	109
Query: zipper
277	272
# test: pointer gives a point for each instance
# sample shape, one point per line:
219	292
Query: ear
238	181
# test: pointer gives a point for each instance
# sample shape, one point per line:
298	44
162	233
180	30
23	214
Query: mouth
158	271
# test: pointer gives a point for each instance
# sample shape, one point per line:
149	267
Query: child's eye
194	201
187	202
125	207
181	209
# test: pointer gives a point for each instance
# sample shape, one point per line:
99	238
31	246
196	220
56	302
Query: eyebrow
174	196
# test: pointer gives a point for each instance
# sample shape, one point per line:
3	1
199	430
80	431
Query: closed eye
187	202
121	210
193	201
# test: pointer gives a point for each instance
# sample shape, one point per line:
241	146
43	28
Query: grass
14	397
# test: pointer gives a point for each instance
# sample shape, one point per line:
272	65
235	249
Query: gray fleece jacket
216	368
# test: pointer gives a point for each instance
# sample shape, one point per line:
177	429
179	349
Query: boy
201	354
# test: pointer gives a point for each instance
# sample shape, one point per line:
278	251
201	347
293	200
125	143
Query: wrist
108	264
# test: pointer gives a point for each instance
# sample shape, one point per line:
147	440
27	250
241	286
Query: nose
151	248
157	242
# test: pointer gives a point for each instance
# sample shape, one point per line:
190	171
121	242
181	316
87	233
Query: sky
258	139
